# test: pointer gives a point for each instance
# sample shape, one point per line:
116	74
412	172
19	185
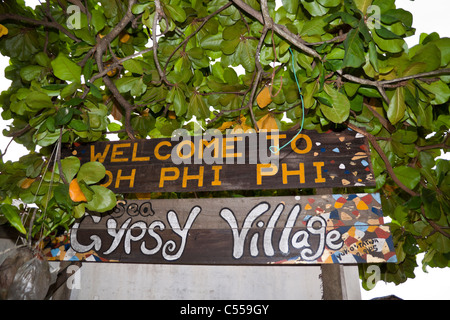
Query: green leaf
313	27
291	6
139	88
409	176
175	12
246	50
397	15
29	73
61	195
229	46
410	246
197	107
88	69
212	42
65	69
386	33
373	56
430	55
63	116
313	7
125	84
103	199
440	90
21	43
431	205
98	20
79	210
388	45
70	167
133	66
354	50
139	8
176	96
442	243
37	101
42	59
94	90
363	5
329	3
91	172
444	45
338	109
12	214
397	107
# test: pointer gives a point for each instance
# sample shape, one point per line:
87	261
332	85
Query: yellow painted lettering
110	179
121	178
300	172
116	152
308	144
158	146
216	181
134	157
181	145
207	144
226	148
100	157
319	166
165	177
264	170
198	177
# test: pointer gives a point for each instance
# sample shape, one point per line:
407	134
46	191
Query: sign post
326	229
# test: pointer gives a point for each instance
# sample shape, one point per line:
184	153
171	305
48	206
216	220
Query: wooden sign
276	230
233	162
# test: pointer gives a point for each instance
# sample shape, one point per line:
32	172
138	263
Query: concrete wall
141	281
178	282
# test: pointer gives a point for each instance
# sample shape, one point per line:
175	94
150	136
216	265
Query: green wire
275	149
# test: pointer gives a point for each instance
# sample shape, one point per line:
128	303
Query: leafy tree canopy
81	70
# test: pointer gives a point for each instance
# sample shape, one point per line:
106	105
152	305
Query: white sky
429	16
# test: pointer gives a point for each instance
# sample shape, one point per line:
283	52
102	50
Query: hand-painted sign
214	162
275	230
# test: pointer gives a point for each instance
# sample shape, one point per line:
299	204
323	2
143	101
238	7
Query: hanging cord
44	214
275	149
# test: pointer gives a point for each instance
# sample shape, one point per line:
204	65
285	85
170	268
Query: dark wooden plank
233	162
275	230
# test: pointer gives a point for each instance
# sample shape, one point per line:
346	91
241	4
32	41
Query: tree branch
101	48
45	23
383	156
117	63
434	224
387	83
281	30
159	13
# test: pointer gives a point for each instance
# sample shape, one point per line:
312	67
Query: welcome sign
274	230
248	161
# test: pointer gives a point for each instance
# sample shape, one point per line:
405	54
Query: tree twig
101	48
159	13
281	30
385	159
45	23
205	20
